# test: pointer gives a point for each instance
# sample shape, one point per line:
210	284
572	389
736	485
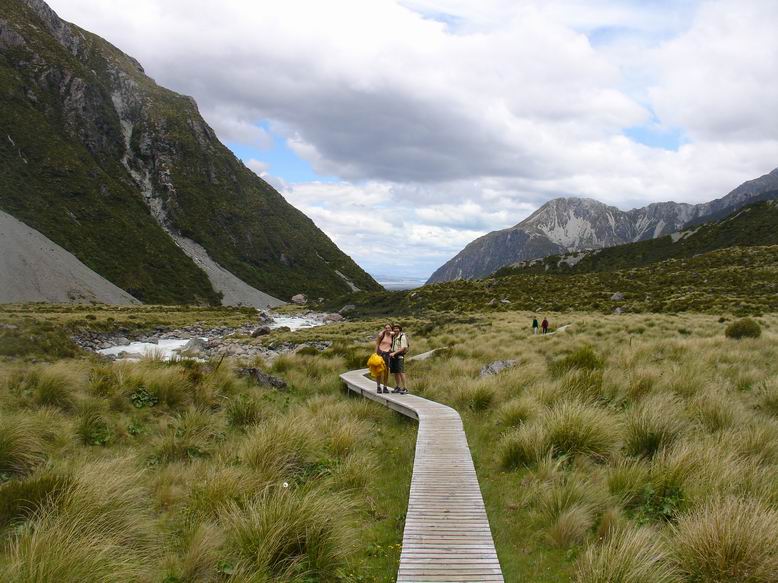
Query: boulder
617	297
347	308
617	311
333	318
122	341
261	331
496	367
264	318
299	299
194	345
262	378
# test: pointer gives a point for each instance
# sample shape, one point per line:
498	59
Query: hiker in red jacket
544	325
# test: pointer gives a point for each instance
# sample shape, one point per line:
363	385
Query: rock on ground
299	299
262	378
496	367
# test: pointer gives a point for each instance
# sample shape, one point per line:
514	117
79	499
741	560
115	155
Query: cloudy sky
406	128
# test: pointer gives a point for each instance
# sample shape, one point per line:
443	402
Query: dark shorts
397	364
385	356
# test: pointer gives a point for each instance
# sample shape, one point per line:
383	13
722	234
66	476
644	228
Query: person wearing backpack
535	325
400	346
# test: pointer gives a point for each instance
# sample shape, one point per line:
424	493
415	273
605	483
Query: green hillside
756	224
735	280
69	103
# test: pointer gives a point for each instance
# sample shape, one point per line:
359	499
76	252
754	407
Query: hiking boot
403	391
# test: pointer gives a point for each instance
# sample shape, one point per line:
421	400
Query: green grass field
626	448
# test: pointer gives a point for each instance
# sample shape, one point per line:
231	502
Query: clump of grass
285	535
21	499
743	328
627	555
345	435
477	398
584	358
728	540
355	472
652	424
243	411
99	530
20	447
570	508
282	446
516	412
573	428
187	438
714	410
768	398
93	429
521	447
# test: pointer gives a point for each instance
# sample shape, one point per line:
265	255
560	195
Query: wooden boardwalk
447	536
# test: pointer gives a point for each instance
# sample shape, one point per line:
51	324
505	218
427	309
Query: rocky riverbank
200	341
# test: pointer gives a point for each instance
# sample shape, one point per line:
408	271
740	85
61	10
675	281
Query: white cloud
444	119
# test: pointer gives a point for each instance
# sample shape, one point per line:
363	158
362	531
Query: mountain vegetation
112	167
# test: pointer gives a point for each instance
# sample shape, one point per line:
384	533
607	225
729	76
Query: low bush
20	499
521	447
93	429
743	328
243	411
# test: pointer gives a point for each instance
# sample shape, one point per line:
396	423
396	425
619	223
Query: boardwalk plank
447	535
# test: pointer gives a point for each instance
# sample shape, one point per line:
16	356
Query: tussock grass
21	448
652	424
282	447
728	540
573	428
517	411
287	535
629	555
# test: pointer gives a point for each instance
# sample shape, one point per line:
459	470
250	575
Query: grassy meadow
631	448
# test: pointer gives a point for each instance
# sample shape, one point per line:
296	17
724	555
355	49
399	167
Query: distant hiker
535	325
397	358
544	325
383	346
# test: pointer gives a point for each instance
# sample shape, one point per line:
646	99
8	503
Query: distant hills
565	225
127	177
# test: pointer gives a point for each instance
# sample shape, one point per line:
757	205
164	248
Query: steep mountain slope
128	177
753	225
36	269
563	225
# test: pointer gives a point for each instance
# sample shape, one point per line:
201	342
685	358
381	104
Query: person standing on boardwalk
544	325
535	325
383	346
397	358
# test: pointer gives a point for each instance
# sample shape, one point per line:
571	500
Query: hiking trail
447	535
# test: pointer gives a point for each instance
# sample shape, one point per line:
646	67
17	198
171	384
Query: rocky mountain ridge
565	225
128	177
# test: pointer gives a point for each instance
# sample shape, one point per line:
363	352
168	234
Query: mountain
565	225
753	225
127	176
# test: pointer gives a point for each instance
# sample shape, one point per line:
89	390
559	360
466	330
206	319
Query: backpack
408	342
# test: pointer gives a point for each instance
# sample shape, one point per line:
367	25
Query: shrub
728	540
743	328
20	447
583	358
284	535
634	555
